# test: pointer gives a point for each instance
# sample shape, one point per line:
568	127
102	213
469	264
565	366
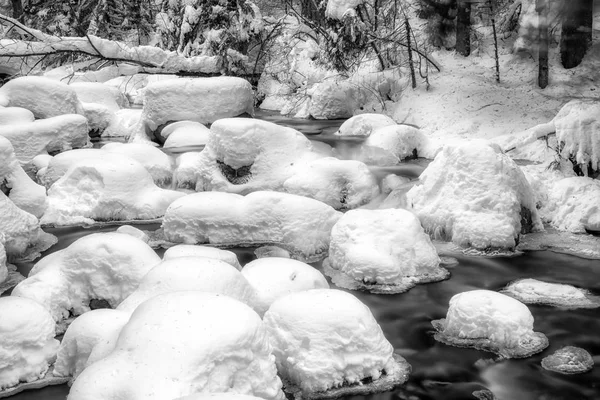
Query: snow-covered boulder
569	360
385	250
364	124
193	273
490	321
99	93
27	344
203	100
337	8
128	121
99	266
15	115
3	268
574	204
275	277
393	142
132	86
298	224
342	184
218	396
184	134
185	173
22	191
44	97
333	99
533	291
325	339
189	250
82	336
160	345
99	118
93	190
51	135
135	232
51	169
156	162
475	195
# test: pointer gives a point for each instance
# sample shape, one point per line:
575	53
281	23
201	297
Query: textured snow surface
203	100
44	97
233	355
364	124
336	8
490	321
398	143
27	344
275	277
218	396
159	164
533	291
3	269
193	273
333	99
299	224
574	204
474	195
99	93
324	338
569	360
185	133
99	266
187	250
15	115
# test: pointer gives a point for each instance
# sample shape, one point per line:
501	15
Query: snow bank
203	100
193	273
364	124
49	135
27	344
159	346
474	195
185	133
296	223
324	338
398	142
44	97
15	115
490	321
574	204
275	277
337	8
99	266
387	249
112	188
156	162
569	360
532	291
187	250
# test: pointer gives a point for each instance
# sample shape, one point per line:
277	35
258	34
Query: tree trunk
542	10
463	28
576	36
17	10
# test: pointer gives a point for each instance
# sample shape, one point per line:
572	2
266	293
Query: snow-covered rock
574	204
203	100
127	122
474	195
275	277
135	232
533	291
299	224
490	321
185	133
44	97
193	273
156	162
218	396
333	99
398	142
27	344
99	118
387	249
132	86
51	135
189	250
99	266
99	93
323	339
569	360
337	8
159	346
364	124
3	268
96	190
186	166
55	167
15	115
82	336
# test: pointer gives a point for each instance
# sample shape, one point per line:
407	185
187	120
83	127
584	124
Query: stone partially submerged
569	360
532	291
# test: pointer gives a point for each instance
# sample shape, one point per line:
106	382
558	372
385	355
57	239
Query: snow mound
383	251
58	165
203	100
574	204
334	99
364	124
99	118
99	93
128	121
96	190
82	336
27	344
159	164
337	8
532	291
324	339
158	354
185	174
15	115
132	86
99	266
184	134
569	360
188	250
133	231
395	143
276	277
21	190
490	321
44	97
218	396
474	195
299	224
193	273
51	135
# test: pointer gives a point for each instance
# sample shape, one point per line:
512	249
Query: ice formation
574	204
185	133
158	354
82	336
490	321
533	291
187	250
115	188
44	97
159	164
15	115
203	100
298	224
474	195
384	251
364	124
275	277
327	339
99	266
569	360
193	273
27	344
397	142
